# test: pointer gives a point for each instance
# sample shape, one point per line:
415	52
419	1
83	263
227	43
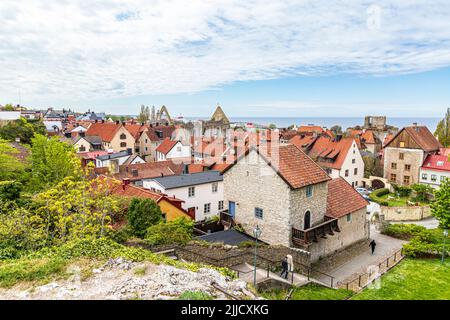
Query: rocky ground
119	279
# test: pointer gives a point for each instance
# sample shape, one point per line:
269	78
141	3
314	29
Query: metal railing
363	279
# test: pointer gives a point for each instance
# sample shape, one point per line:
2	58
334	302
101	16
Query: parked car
362	191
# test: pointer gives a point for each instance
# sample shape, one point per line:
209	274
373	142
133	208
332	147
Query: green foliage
422	191
195	295
10	166
21	129
178	231
10	190
143	213
402	191
8	107
52	161
336	129
403	231
443	130
377	194
440	207
372	166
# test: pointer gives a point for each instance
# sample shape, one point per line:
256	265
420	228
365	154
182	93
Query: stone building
406	152
293	201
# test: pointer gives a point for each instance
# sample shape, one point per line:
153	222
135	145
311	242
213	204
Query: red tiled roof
314	129
436	162
387	139
92	154
165	131
135	129
104	130
322	148
139	171
166	145
292	165
342	199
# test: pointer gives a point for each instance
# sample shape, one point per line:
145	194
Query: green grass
310	291
195	295
399	201
412	279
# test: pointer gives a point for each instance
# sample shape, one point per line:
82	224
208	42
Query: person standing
372	245
284	268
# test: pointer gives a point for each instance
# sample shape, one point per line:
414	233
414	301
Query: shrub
421	191
404	231
375	196
178	231
402	191
142	214
381	192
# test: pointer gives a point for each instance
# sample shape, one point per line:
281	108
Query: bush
375	196
381	192
142	214
404	231
178	231
402	191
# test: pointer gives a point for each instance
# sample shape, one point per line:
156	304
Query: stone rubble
120	279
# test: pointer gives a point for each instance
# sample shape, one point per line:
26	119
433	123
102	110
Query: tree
143	213
272	126
372	166
10	166
52	161
336	129
144	115
10	190
77	208
440	207
21	129
422	191
443	130
178	231
8	107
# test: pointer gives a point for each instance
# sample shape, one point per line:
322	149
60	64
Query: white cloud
85	50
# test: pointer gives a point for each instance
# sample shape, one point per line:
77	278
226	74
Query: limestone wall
404	213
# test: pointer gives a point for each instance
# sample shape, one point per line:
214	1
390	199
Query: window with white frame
424	176
433	177
214	187
259	213
207	208
191	192
443	178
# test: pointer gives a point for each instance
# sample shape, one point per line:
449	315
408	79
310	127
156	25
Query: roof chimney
103	121
415	124
125	182
117	121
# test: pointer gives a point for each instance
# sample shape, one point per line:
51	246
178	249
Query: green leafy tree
178	231
21	129
52	161
272	126
8	107
372	167
143	213
10	166
440	207
422	191
443	130
10	190
76	209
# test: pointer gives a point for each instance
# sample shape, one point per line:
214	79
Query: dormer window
440	163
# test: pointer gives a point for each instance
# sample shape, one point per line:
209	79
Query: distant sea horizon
344	122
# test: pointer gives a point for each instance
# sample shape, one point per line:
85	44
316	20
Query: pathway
385	247
246	273
429	223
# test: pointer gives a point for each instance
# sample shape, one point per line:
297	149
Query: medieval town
279	208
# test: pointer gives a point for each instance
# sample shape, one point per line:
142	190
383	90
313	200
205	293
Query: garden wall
404	213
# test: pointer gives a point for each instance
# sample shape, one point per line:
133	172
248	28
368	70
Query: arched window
82	148
123	136
123	144
307	220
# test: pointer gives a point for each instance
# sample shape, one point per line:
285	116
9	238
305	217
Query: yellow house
114	135
170	207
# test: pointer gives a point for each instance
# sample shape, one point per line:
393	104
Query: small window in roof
440	163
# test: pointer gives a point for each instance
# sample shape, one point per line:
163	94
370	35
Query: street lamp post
257	234
443	246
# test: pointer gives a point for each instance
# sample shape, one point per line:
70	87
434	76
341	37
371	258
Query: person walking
372	245
284	268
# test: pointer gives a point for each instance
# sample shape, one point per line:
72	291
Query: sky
304	58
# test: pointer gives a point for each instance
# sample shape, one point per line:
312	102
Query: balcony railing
226	219
306	237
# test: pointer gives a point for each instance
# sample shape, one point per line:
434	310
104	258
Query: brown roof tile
342	199
166	145
104	130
